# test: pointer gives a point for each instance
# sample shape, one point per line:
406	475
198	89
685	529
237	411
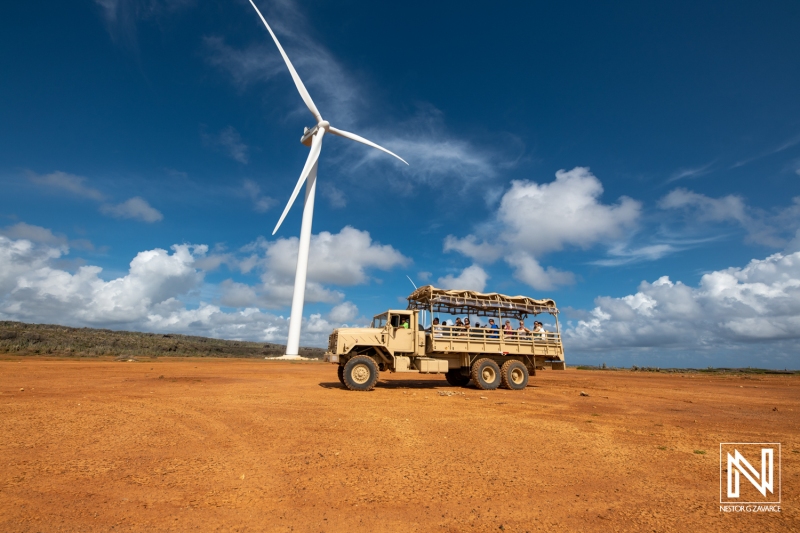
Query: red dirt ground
234	445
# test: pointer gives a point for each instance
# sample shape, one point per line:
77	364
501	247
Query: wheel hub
360	374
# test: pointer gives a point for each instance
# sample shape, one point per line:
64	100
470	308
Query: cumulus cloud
529	271
334	258
736	308
535	219
148	298
540	218
135	208
472	278
343	313
33	289
339	259
61	181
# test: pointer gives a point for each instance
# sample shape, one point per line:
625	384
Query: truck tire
514	375
360	373
486	374
455	378
340	373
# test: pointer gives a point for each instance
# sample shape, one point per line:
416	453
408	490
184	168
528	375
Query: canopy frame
456	302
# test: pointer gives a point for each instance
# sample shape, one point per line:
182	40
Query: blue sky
638	163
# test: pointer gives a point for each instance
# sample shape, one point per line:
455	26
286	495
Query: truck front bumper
331	358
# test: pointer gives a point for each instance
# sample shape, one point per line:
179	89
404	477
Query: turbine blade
297	81
313	155
358	138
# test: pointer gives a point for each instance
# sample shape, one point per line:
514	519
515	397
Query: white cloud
136	208
342	259
735	308
334	258
66	182
261	203
529	271
534	219
147	298
568	211
469	246
343	313
472	278
32	233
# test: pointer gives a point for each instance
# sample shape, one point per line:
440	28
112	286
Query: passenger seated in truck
539	332
466	332
493	334
405	324
457	328
507	331
522	331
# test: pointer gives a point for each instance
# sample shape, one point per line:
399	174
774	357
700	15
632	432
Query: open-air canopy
456	302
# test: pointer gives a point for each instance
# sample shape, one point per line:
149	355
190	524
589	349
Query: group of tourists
463	328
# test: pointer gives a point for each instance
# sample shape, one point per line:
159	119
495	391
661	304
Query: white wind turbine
312	138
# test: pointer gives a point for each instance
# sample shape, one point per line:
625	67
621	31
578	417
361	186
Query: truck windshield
379	321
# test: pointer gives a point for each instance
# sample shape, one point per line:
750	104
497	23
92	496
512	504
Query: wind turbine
312	137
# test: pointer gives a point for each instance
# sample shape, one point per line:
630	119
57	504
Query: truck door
402	338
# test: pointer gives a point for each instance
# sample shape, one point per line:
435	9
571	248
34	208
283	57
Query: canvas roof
478	303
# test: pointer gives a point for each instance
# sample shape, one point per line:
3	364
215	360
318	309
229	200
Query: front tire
455	378
486	374
360	373
340	373
514	375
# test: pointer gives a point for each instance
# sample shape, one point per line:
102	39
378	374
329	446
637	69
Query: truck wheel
360	373
456	379
486	374
514	375
340	373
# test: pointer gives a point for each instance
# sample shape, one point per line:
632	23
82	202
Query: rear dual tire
486	374
514	375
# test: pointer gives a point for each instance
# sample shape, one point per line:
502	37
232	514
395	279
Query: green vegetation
708	370
700	452
18	338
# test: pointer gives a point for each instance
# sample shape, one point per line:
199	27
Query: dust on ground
223	445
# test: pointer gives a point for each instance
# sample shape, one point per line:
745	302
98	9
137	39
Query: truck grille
332	340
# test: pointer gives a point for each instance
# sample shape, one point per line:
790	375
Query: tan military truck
398	342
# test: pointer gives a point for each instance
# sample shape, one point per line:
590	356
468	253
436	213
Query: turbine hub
324	124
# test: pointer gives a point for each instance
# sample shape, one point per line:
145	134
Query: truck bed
453	339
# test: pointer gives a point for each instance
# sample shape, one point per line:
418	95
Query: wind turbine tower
312	137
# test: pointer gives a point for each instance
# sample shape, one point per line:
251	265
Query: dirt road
232	445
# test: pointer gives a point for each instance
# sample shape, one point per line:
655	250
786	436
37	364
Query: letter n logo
761	477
